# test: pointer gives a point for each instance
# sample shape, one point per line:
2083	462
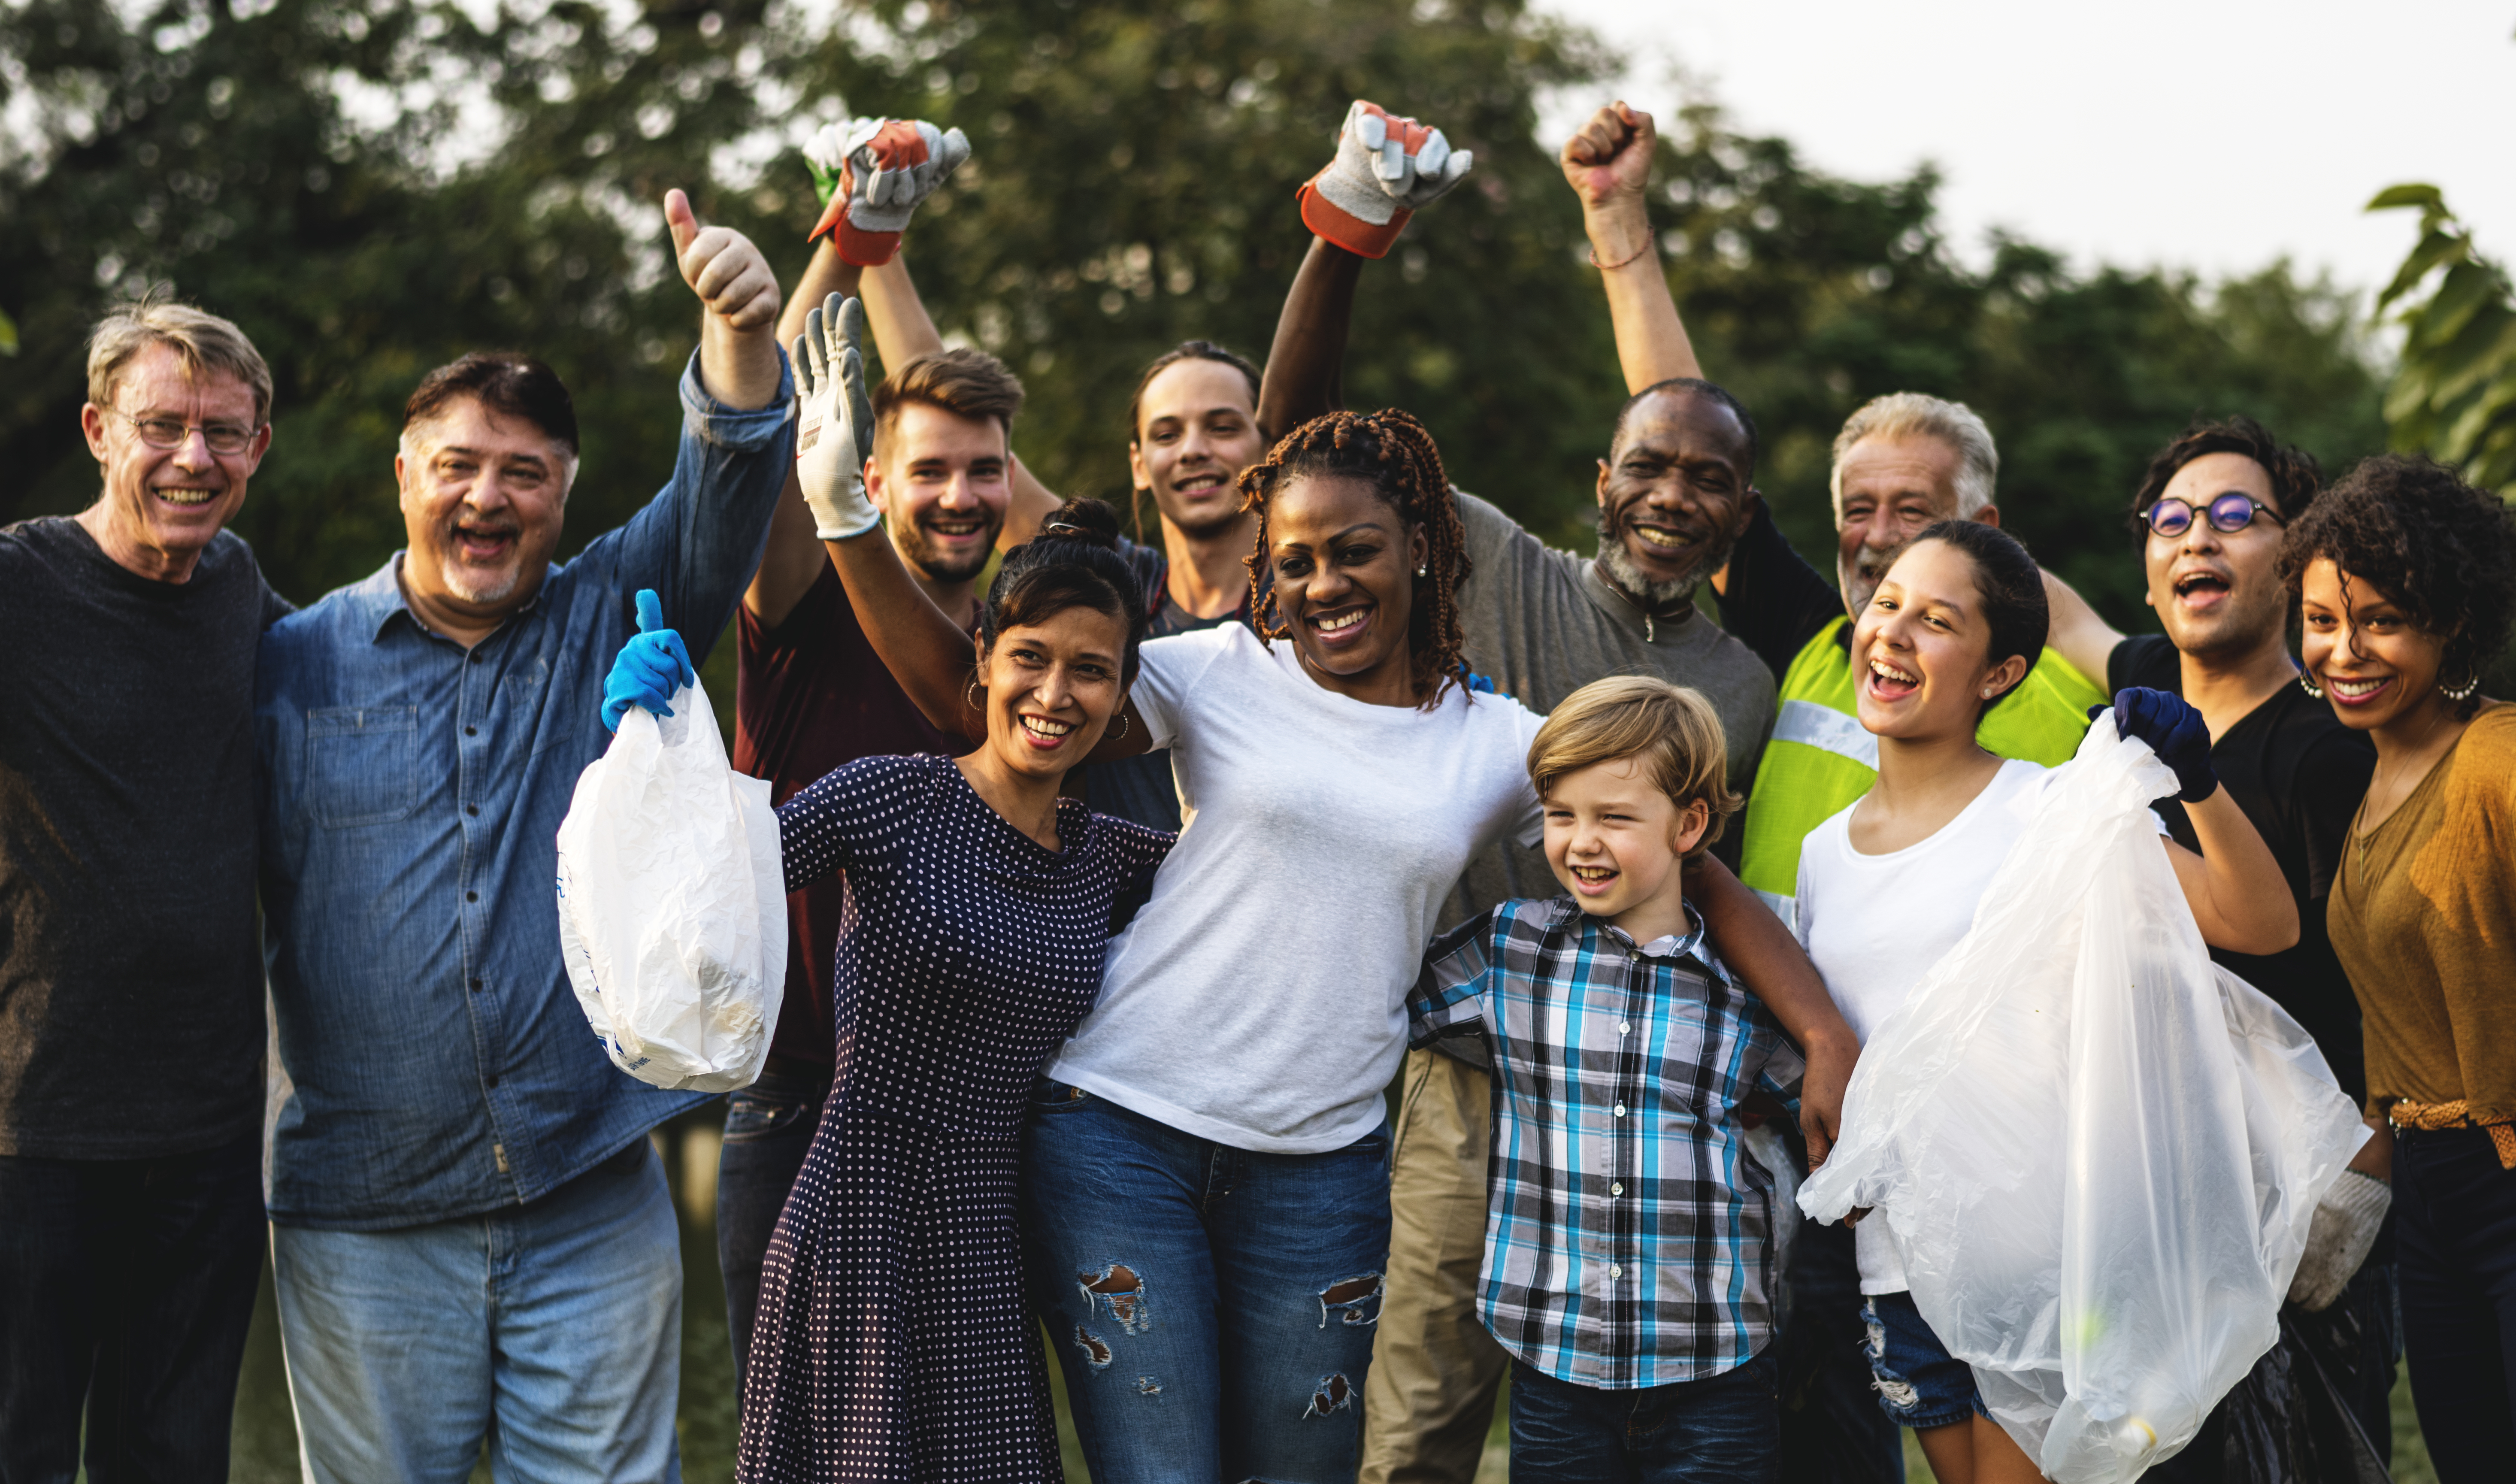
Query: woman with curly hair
2407	581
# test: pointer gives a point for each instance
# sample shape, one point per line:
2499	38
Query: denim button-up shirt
411	797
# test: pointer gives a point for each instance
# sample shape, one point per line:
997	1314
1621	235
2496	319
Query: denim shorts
1920	1384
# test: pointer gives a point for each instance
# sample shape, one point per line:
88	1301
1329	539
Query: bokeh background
373	186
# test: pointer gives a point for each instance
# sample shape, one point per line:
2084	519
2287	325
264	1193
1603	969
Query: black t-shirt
130	965
1776	602
2298	774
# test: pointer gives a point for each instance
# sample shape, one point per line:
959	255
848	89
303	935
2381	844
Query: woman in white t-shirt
1889	885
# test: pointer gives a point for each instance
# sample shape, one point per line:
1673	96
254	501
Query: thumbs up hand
652	666
723	268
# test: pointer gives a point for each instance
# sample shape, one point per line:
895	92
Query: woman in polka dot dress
892	1341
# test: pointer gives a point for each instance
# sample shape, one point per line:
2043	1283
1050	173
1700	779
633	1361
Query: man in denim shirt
472	1236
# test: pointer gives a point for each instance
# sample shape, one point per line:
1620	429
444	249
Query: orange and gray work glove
1386	168
871	174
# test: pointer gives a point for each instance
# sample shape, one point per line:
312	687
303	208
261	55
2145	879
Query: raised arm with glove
872	175
1386	168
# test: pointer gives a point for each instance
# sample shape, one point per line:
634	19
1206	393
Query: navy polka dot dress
892	1341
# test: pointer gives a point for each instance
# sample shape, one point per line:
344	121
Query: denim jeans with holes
1213	1308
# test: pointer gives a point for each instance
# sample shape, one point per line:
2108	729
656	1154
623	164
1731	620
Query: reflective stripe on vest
1824	728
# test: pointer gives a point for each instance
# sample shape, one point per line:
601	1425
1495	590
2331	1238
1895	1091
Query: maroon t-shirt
809	696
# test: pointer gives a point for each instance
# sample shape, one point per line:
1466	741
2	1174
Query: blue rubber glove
2175	732
652	666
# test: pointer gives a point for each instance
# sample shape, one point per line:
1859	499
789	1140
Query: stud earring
2306	682
1419	570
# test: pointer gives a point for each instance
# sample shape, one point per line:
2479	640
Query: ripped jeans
1212	1308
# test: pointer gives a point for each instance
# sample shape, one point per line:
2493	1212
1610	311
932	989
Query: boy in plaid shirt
1628	1235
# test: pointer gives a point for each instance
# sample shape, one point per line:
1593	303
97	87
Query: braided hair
1390	451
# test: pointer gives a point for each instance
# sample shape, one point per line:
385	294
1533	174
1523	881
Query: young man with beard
2210	512
1673	493
472	1236
131	1031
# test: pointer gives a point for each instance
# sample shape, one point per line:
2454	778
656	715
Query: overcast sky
2203	133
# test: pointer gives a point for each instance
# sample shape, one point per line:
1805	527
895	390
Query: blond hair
1909	414
205	341
1671	728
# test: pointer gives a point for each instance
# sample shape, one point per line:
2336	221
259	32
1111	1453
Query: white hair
1907	414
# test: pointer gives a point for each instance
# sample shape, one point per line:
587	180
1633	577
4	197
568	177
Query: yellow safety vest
1821	762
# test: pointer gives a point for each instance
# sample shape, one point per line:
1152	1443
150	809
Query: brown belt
2434	1117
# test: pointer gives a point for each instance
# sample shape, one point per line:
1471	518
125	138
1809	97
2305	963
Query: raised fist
1611	155
871	174
1385	168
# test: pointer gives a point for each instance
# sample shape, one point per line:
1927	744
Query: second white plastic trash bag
2097	1151
672	902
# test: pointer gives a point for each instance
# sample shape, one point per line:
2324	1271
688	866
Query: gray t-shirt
130	967
1544	623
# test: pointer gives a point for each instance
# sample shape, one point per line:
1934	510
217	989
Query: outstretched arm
2234	887
2083	639
1761	949
1608	163
1306	365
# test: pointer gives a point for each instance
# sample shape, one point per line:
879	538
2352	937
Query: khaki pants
1429	1399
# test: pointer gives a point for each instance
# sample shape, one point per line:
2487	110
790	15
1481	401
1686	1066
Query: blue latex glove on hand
652	666
2175	732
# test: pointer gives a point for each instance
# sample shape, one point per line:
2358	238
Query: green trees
2455	393
371	187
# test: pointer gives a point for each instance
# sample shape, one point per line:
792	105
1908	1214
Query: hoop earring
970	695
1123	727
2306	682
2464	693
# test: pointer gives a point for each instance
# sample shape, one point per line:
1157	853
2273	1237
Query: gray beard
1645	593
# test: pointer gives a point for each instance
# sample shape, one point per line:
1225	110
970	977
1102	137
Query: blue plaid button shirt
1628	1232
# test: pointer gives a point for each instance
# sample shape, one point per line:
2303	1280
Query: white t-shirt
1259	999
1874	925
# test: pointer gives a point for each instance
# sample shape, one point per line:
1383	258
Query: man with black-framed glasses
2209	514
131	995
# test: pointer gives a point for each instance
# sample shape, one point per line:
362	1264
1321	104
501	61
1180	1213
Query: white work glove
1386	167
2338	1238
872	175
834	420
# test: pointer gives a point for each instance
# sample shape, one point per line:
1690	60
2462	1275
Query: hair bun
1088	521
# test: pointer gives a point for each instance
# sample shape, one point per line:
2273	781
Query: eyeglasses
2229	514
170	433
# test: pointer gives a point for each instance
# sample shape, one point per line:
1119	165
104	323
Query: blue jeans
126	1288
551	1329
1213	1308
1722	1429
768	1128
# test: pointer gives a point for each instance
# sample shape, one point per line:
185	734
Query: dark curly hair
2443	551
2295	475
1390	451
1073	563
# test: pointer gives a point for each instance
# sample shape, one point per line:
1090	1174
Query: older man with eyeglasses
131	999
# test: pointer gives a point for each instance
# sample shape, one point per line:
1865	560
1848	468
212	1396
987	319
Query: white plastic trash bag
2096	1151
672	902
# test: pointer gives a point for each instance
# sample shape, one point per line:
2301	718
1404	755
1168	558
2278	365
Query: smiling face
2375	664
1888	489
1921	649
483	498
1672	497
942	482
1052	688
1614	840
2218	592
160	507
1344	563
1197	432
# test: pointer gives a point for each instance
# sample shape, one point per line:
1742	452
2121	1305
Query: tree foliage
373	186
2454	393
